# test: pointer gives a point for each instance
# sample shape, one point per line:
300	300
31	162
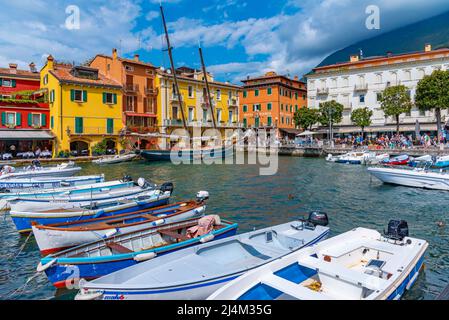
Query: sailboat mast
209	98
173	70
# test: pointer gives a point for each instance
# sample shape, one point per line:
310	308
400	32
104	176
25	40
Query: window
190	92
422	113
269	91
256	92
245	108
257	122
245	123
269	121
230	116
46	79
129	68
175	113
52	122
291	108
269	106
8	83
219	115
110	126
282	120
288	120
296	95
345	81
379	96
407	75
149	72
219	95
78	95
245	94
52	96
79	125
191	113
282	107
334	82
11	119
204	115
362	98
296	108
109	98
35	119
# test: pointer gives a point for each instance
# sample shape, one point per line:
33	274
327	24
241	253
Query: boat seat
335	270
118	247
174	235
150	218
295	290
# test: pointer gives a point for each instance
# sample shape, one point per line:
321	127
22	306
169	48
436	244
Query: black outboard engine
36	163
397	230
318	218
127	178
168	186
4	190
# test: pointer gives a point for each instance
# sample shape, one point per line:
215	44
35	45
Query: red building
24	112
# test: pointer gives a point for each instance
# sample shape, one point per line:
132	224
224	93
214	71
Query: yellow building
85	107
225	99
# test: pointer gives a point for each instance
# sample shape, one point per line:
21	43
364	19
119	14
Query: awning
26	135
144	115
290	131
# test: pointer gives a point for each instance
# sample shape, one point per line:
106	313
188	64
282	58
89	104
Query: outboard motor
318	218
397	230
4	190
168	186
36	163
127	178
143	183
202	196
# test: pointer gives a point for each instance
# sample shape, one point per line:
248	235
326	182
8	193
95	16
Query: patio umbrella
418	130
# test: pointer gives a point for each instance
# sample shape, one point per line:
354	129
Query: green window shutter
18	119
244	123
52	122
78	125
72	95
1	82
269	121
43	119
13	82
30	119
104	97
84	96
115	98
269	106
110	126
245	94
269	90
3	118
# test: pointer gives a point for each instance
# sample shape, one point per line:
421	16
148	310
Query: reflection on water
238	193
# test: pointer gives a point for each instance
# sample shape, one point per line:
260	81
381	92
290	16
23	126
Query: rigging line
22	247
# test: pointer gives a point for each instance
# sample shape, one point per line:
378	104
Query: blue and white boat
361	264
420	161
441	162
8	187
108	255
195	273
189	155
125	204
67	169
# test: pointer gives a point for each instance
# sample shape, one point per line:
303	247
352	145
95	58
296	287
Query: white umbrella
307	134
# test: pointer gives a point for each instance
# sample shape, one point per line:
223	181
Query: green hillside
411	38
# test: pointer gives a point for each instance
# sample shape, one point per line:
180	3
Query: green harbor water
238	193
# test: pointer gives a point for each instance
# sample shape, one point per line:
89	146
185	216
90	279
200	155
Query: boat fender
110	233
159	222
42	268
207	238
145	256
65	184
99	214
201	211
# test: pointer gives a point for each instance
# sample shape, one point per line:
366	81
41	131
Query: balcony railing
151	91
131	88
323	91
130	109
73	131
233	102
361	87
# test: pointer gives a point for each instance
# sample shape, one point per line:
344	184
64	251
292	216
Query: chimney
428	47
114	54
33	67
296	78
136	57
13	68
50	62
354	58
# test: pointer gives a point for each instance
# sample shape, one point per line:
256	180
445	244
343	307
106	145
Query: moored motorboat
401	160
189	155
58	237
115	159
36	170
417	178
23	220
362	157
441	162
195	273
419	161
114	253
11	186
361	264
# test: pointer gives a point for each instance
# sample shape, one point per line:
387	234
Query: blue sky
239	37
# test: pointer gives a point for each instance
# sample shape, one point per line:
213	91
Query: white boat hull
115	160
412	178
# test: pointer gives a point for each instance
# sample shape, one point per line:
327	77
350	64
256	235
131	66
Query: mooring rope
22	247
22	287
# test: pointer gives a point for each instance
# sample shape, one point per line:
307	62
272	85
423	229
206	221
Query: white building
358	83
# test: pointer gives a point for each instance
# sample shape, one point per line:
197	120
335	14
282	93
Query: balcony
71	131
361	87
233	102
175	98
322	91
141	129
150	91
131	88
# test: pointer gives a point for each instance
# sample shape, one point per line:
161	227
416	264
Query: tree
331	112
305	118
432	93
395	101
362	118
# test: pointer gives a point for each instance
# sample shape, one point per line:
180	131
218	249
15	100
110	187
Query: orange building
139	92
271	101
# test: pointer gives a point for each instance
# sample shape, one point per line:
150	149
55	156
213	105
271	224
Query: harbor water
238	193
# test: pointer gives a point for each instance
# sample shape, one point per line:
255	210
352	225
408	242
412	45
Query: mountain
410	38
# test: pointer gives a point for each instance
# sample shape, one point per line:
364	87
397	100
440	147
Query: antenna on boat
209	98
175	78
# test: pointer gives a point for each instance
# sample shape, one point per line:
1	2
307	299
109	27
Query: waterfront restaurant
24	112
359	82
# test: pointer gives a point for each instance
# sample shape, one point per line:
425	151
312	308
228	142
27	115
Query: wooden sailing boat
188	153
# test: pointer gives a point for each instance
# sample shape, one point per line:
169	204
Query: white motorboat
361	157
361	264
115	159
66	169
417	178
